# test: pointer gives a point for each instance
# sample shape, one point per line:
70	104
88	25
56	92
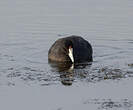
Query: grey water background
27	30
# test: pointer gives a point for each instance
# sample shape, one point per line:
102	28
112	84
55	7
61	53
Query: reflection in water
67	71
109	104
67	77
64	73
84	72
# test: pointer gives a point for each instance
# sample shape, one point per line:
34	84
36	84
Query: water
29	28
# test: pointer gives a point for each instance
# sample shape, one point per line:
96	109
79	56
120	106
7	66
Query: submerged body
71	49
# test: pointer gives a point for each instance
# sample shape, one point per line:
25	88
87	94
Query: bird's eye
70	46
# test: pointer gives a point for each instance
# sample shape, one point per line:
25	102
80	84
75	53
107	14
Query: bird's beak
71	54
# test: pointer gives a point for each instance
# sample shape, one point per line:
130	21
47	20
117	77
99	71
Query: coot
72	49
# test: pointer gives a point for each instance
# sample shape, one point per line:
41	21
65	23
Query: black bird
72	49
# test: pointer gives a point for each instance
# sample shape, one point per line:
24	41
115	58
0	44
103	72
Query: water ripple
109	104
88	75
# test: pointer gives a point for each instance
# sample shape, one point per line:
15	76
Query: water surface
29	28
